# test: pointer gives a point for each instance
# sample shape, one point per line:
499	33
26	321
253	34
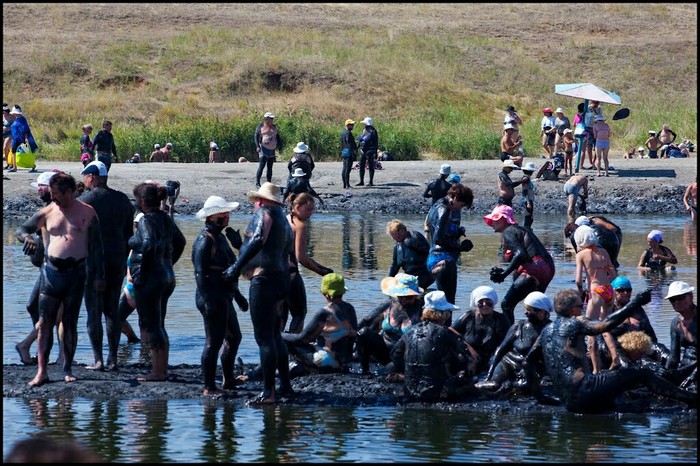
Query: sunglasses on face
677	298
484	304
624	290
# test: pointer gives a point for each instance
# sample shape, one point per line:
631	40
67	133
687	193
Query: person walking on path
368	143
214	153
86	146
211	255
348	147
437	189
267	141
103	142
264	260
73	249
116	214
601	132
157	154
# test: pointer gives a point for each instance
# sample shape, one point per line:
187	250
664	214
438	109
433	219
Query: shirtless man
506	186
561	345
595	262
72	243
653	144
573	188
690	200
510	145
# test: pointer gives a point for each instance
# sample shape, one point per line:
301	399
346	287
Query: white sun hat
216	205
678	288
368	121
298	172
437	301
301	148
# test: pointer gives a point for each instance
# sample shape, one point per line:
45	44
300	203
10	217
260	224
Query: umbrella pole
580	143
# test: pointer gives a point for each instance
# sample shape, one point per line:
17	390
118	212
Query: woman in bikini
595	262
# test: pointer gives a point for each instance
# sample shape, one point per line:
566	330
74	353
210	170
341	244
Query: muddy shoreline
649	186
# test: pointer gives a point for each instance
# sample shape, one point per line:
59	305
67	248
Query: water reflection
690	238
220	440
348	257
148	419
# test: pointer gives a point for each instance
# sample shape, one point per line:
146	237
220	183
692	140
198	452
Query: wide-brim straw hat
402	284
216	205
269	191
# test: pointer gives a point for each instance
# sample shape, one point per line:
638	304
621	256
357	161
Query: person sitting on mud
430	355
506	364
326	343
481	327
563	348
656	257
410	253
383	327
530	262
608	235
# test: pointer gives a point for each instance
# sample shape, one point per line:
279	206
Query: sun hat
298	172
547	110
368	121
445	169
95	168
43	179
651	131
301	148
169	145
568	130
483	292
508	163
585	236
437	301
539	300
215	205
530	167
333	285
453	178
16	110
621	282
508	126
349	122
269	191
269	115
559	110
600	118
510	108
640	149
678	288
656	235
500	211
402	284
156	147
582	220
138	217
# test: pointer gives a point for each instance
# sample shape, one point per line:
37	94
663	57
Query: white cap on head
95	168
582	220
445	169
483	292
539	300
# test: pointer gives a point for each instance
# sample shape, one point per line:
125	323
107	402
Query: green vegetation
437	91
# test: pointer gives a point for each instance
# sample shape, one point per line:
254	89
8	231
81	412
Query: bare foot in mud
213	393
69	378
39	380
241	379
261	399
152	378
98	366
24	355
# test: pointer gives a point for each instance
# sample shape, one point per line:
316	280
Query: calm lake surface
357	246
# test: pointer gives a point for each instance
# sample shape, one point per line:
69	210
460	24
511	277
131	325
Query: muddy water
358	247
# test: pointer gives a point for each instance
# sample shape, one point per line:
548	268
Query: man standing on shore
103	144
437	189
368	143
267	140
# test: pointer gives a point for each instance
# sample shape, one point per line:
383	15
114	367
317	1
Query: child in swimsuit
595	262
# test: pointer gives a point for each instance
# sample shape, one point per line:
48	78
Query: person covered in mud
264	260
444	230
608	235
410	253
656	257
529	260
301	207
481	327
563	348
127	302
72	245
430	355
437	189
156	246
684	326
211	255
506	364
326	344
298	183
116	214
383	327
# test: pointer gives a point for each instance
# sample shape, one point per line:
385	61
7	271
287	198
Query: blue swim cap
621	282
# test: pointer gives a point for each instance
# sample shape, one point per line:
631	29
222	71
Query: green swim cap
333	285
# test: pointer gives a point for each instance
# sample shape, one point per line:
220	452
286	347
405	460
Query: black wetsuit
429	355
562	345
104	147
37	259
531	263
302	346
444	232
437	189
483	333
507	361
303	161
116	214
656	264
157	244
411	254
211	255
300	184
684	346
268	290
607	238
347	141
368	142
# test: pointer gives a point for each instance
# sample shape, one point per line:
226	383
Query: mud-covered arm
395	266
595	327
251	248
312	329
96	262
25	232
441	235
674	357
201	260
428	190
375	316
516	246
398	354
179	243
534	356
503	348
